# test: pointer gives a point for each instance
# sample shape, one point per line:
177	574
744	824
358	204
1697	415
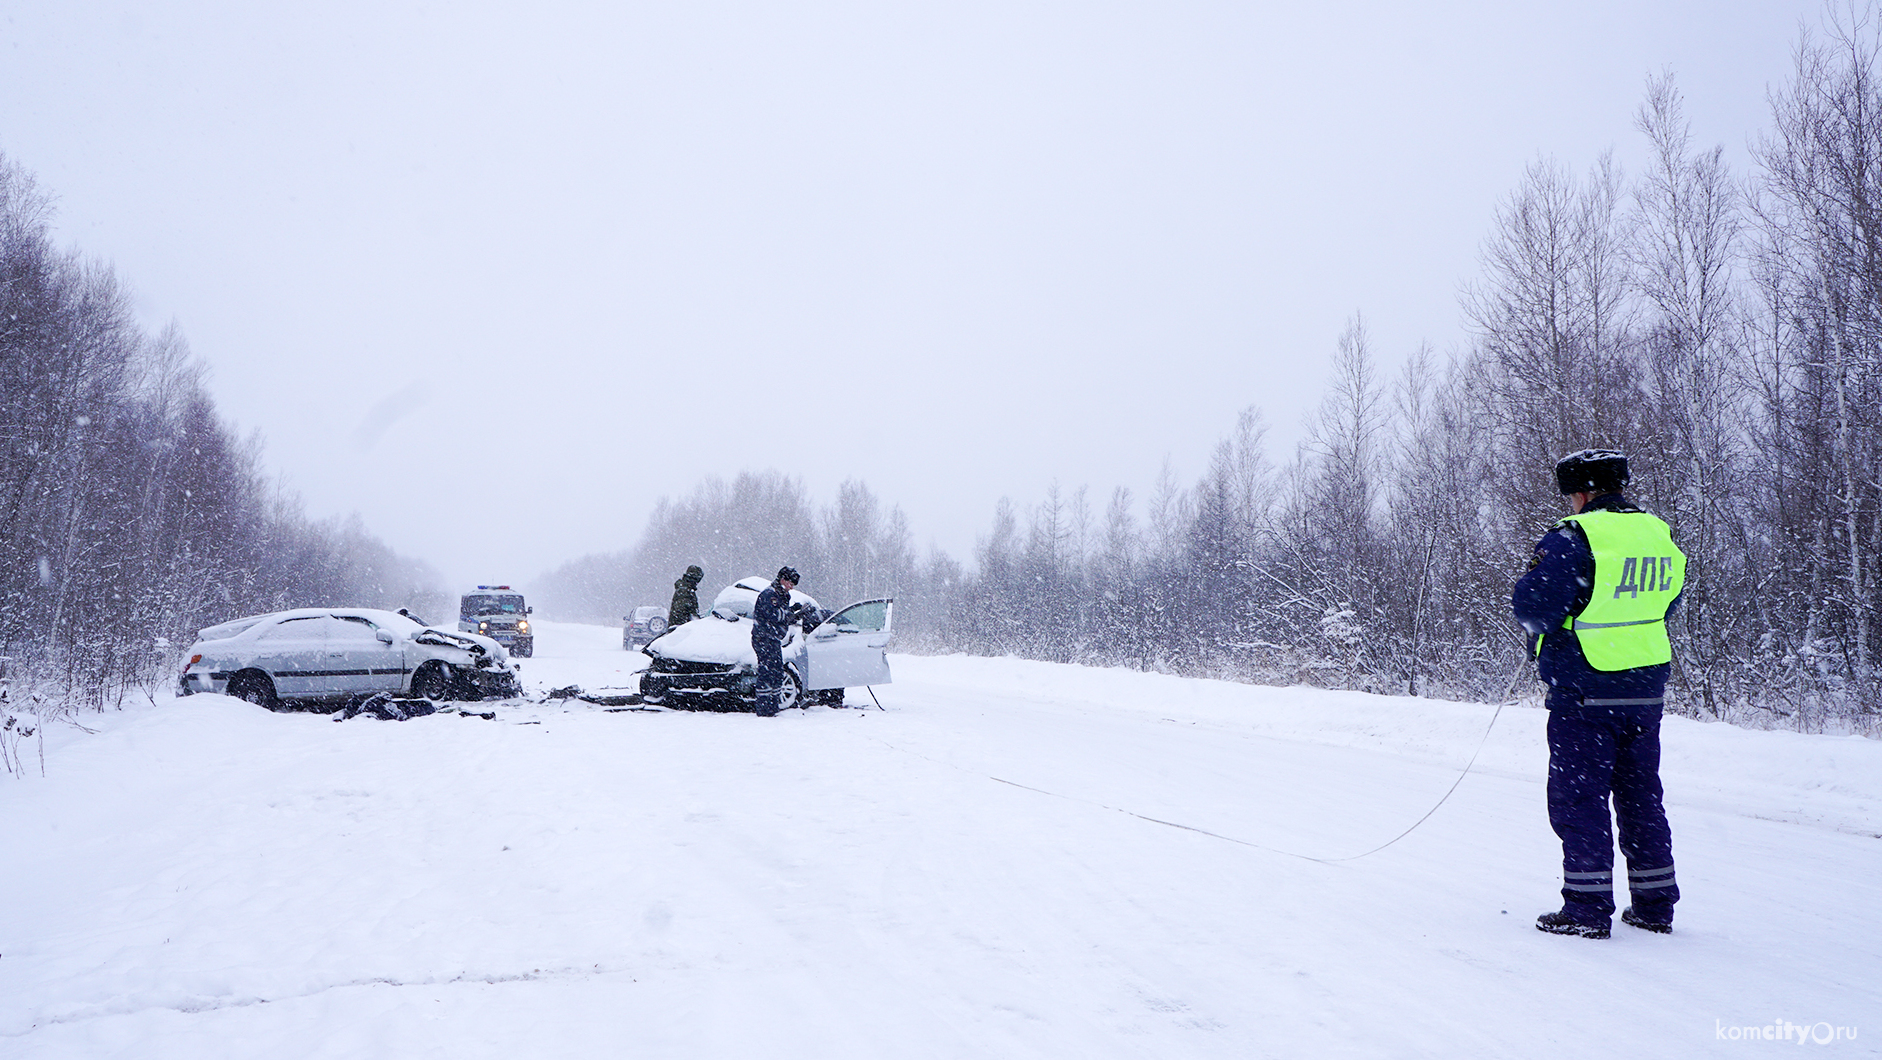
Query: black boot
1561	923
1658	927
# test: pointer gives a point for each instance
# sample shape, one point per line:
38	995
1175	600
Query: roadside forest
130	514
1723	329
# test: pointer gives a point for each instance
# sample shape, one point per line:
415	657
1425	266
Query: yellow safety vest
1638	571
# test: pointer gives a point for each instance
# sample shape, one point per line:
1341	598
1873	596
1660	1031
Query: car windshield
491	604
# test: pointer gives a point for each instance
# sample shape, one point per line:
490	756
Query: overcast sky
498	276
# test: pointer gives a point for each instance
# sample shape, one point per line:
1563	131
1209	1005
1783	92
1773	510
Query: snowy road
973	872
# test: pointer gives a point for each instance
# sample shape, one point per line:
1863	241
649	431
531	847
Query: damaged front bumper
699	688
491	683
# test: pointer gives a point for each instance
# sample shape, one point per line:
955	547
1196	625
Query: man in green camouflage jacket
685	605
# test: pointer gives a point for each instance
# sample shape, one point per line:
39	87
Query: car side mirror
529	610
383	636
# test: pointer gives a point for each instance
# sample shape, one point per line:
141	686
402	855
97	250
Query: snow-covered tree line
1724	331
130	515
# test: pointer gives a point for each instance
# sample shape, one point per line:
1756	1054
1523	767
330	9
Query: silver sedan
333	656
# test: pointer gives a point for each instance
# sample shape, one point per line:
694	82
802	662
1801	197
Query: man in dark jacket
1595	601
771	619
685	605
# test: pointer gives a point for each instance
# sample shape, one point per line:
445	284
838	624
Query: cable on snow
1217	835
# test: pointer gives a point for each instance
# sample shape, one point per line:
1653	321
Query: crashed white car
709	664
334	656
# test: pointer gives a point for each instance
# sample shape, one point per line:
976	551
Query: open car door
850	648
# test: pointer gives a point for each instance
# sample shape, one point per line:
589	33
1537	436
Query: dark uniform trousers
770	654
1594	749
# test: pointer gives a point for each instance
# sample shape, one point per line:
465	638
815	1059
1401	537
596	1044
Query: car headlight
522	625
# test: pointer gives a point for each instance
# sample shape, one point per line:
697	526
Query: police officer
1595	599
771	619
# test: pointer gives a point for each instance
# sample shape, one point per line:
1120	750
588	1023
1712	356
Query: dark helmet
788	574
693	574
1591	471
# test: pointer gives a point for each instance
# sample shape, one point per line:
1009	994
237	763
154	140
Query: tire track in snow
198	1005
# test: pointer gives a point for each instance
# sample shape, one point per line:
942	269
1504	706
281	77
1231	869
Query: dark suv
640	628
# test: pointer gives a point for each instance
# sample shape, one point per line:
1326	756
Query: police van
498	612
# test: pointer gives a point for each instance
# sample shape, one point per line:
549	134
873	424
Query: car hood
450	639
712	640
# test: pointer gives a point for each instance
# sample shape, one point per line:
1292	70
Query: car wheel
253	686
791	693
432	681
656	626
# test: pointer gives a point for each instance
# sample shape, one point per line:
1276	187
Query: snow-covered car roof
741	596
404	625
236	627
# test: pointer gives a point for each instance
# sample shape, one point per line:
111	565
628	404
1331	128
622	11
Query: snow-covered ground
976	871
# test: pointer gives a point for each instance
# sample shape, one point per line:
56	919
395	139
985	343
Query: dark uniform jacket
773	614
1559	583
